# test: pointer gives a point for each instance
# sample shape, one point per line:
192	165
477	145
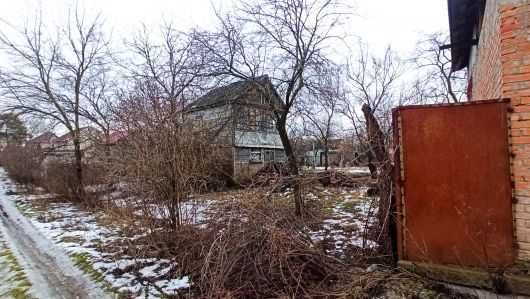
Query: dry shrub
259	251
164	163
249	247
23	164
165	157
94	174
60	177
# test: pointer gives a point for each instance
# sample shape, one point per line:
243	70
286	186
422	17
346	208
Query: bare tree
439	82
168	157
321	108
175	65
284	39
100	100
49	76
374	87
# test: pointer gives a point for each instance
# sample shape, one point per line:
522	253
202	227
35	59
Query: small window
255	155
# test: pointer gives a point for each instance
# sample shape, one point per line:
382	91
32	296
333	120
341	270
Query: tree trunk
381	168
292	164
326	156
79	189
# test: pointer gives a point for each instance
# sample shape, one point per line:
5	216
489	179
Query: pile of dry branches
339	179
258	251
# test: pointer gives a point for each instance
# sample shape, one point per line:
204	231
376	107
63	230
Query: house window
268	155
255	155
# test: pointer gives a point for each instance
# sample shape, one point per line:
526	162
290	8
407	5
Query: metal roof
228	93
463	15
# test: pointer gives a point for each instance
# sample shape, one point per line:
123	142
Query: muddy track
50	270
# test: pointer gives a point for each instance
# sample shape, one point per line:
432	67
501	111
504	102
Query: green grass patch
83	262
24	208
72	239
19	284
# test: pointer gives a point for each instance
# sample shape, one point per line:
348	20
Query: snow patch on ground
79	234
348	222
351	170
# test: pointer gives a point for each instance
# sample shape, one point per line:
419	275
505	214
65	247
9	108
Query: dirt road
49	269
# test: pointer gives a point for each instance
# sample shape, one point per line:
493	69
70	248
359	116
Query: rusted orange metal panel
452	183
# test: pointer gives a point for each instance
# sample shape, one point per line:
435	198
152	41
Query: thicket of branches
73	79
165	158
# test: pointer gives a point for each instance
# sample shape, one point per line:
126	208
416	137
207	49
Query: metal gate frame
400	177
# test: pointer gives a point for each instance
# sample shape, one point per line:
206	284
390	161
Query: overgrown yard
240	243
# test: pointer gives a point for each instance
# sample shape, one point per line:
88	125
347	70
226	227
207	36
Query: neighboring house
343	152
241	120
115	138
62	147
317	158
491	39
44	141
112	146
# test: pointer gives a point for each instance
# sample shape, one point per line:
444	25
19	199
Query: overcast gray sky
378	22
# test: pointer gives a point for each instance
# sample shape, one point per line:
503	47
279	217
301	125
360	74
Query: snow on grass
345	226
81	236
174	284
351	170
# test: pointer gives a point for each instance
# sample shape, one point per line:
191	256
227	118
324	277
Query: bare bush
164	159
58	177
258	251
23	164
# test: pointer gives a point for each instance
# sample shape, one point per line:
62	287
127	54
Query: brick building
491	38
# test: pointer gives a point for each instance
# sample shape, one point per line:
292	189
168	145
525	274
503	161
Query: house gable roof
43	138
229	93
84	132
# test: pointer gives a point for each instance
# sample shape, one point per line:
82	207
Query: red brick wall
515	57
487	71
503	70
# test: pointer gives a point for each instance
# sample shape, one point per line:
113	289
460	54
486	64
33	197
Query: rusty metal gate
453	185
